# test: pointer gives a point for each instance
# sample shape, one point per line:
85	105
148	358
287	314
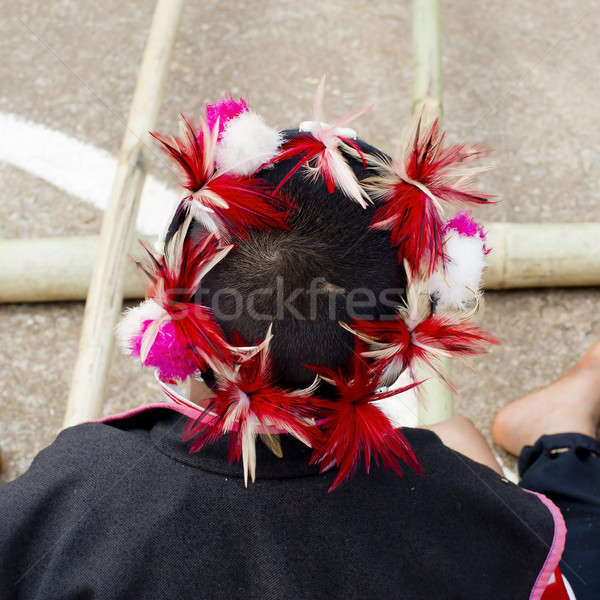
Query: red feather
174	279
225	203
415	226
189	154
305	147
251	203
354	427
319	152
455	337
411	189
399	346
246	402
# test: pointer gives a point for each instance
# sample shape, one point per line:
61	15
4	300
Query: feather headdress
354	427
247	403
220	161
413	189
319	152
225	203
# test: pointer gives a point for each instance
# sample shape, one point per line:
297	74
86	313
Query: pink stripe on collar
175	405
556	550
180	408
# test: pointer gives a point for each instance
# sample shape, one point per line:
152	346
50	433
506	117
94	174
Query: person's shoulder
137	422
428	446
89	456
97	444
476	486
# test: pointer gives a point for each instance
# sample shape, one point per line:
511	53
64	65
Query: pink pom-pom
166	353
224	109
466	226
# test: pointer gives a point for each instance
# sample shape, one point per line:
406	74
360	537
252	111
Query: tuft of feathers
413	189
225	203
319	152
417	335
464	224
169	330
165	353
354	427
132	322
248	403
246	144
455	285
193	152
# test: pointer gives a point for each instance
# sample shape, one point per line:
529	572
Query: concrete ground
520	76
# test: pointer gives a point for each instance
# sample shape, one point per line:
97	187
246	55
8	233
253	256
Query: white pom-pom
246	144
454	286
130	325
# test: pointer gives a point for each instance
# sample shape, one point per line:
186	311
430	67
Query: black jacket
122	510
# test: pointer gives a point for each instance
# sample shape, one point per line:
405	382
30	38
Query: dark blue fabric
566	468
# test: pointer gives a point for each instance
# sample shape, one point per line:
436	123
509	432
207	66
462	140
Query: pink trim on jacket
184	410
177	406
556	550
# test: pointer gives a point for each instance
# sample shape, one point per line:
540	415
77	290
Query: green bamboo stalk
437	403
427	57
105	293
526	255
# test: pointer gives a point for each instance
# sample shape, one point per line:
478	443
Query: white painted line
80	169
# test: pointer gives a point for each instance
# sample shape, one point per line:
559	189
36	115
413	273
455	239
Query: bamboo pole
427	56
55	269
524	255
549	255
436	398
105	295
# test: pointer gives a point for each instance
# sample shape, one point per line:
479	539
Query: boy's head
329	267
309	253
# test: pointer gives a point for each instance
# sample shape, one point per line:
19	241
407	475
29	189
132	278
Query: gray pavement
520	76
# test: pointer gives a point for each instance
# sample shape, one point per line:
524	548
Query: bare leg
569	405
460	434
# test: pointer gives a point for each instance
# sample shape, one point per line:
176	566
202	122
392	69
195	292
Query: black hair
329	266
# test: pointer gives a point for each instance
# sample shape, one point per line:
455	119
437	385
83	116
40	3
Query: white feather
247	143
131	322
345	132
402	409
455	285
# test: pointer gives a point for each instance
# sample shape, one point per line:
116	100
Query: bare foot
569	405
